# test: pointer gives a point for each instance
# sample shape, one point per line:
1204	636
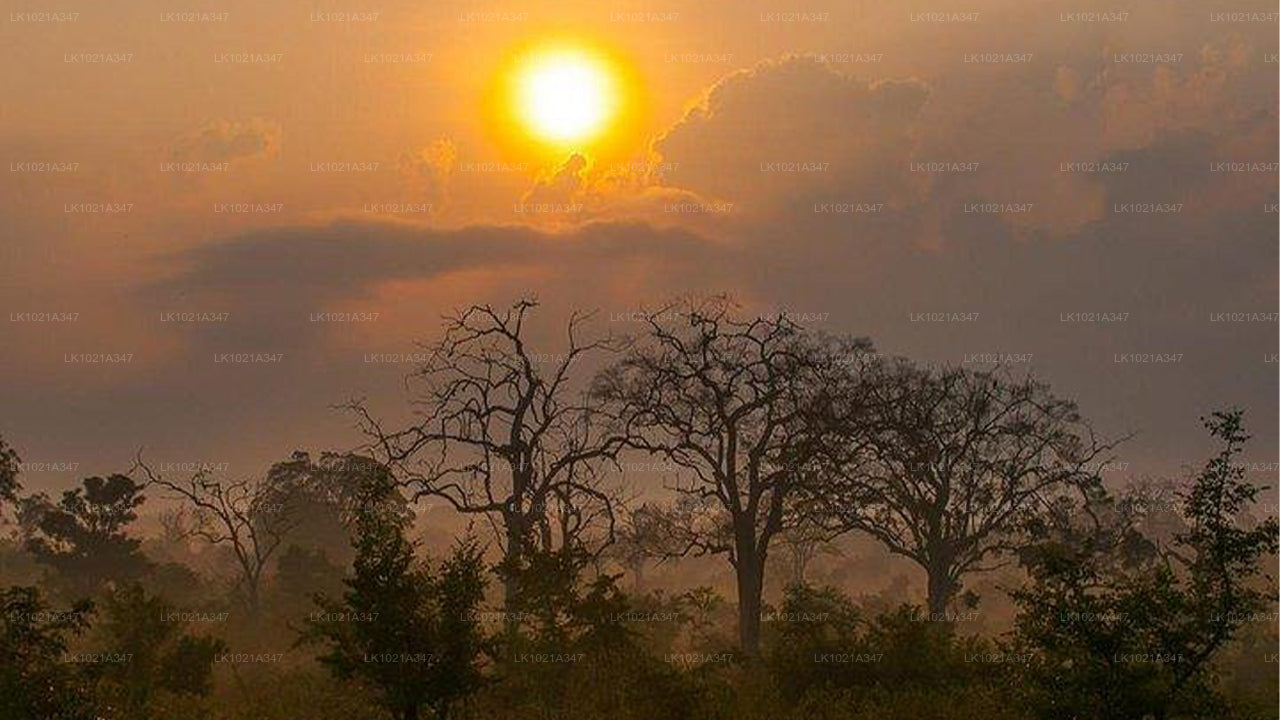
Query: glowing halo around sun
567	97
556	96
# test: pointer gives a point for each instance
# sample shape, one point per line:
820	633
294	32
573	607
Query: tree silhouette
730	400
504	434
10	486
35	682
322	494
82	537
950	464
162	655
410	632
10	465
1119	633
242	515
802	544
643	536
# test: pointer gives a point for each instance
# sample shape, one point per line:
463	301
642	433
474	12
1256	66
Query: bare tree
503	433
174	541
730	401
802	544
646	534
958	462
175	526
241	515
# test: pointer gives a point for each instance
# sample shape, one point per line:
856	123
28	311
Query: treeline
777	437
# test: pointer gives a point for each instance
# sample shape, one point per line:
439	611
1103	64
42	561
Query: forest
722	516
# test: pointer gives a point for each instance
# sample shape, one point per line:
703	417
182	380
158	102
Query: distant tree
302	573
1151	504
802	544
82	538
322	493
35	681
242	515
730	401
410	632
642	537
159	655
1121	627
11	556
175	532
704	603
505	435
177	583
957	464
10	465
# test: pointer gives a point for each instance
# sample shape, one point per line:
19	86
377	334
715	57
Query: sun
549	97
566	96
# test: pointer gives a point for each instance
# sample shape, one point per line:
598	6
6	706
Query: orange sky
866	163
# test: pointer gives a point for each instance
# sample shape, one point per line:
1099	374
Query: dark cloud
273	279
795	126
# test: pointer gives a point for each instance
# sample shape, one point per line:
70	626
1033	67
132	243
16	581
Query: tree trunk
514	561
255	598
253	595
803	555
941	589
750	571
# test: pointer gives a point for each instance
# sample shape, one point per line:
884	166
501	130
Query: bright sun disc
566	97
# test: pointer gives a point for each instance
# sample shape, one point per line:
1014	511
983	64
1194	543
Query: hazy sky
1086	189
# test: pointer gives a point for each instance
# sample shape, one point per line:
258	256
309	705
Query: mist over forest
724	515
